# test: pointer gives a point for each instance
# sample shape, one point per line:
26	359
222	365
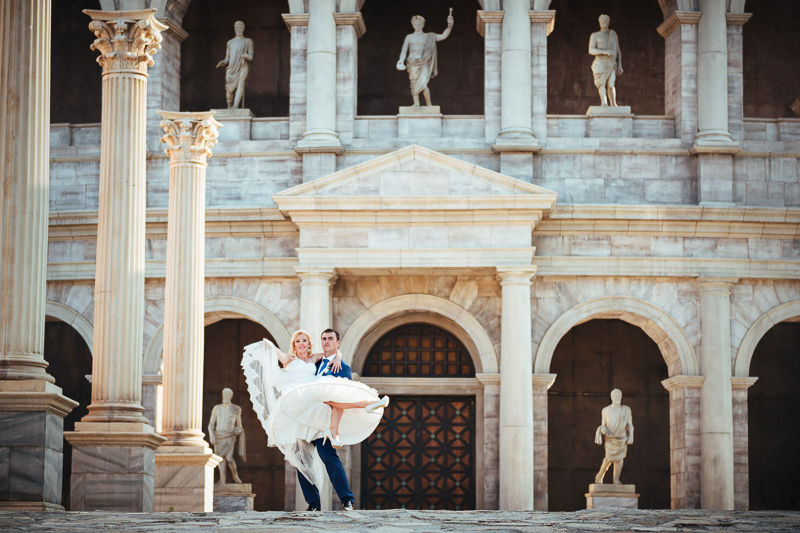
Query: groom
330	344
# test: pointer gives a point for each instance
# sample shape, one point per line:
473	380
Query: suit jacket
345	371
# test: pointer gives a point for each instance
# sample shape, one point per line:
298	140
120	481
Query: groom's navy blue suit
330	458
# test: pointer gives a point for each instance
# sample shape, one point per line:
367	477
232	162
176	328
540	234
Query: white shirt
325	364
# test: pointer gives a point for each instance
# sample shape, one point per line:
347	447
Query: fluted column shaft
24	167
716	396
516	71
126	40
321	76
712	73
189	137
516	390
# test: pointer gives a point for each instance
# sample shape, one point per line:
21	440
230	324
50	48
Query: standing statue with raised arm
224	428
237	66
607	64
419	57
617	426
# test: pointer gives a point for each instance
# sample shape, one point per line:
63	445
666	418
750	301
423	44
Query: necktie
323	367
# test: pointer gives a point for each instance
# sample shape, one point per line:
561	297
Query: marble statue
223	429
617	426
237	66
607	64
419	57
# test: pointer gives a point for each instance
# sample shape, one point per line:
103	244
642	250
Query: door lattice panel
421	456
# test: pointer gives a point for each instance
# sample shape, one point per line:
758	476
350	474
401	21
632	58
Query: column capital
676	19
743	383
189	136
488	17
547	16
716	285
515	275
292	20
356	20
680	382
544	379
126	40
737	19
315	274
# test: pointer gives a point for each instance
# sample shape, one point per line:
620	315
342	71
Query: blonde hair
294	337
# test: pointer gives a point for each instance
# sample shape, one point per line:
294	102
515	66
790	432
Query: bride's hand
336	365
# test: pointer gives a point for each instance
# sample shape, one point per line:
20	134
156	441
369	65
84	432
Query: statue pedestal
232	497
602	496
235	122
184	477
610	121
421	121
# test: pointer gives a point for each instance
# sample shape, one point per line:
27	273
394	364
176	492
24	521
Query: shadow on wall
382	89
591	360
773	404
76	84
210	27
70	361
570	83
264	469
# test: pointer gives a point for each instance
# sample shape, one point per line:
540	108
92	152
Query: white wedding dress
290	403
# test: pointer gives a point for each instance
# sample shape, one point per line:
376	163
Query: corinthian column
189	138
516	389
28	396
115	427
716	396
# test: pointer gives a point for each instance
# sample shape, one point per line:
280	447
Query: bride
297	407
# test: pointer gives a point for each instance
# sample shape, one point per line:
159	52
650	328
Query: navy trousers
335	472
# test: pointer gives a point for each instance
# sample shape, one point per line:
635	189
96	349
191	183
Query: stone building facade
499	233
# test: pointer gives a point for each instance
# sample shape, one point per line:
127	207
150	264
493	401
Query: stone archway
790	311
73	318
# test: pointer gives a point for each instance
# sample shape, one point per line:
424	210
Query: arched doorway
772	406
422	455
69	362
264	468
591	360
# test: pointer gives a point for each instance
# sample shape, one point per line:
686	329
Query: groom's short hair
331	330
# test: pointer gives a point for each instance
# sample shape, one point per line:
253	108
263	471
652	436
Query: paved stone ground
407	522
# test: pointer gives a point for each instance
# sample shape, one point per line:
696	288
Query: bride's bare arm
336	364
282	357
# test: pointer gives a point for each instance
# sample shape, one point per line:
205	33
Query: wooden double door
421	456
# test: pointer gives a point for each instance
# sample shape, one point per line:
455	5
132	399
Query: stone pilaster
516	389
164	83
684	440
491	441
516	133
184	479
741	448
320	135
735	22
297	23
541	384
680	80
32	408
349	29
542	25
716	402
490	26
315	305
113	461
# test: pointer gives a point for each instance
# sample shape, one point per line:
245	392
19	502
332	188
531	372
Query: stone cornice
351	19
538	379
544	379
737	19
295	20
679	382
34	395
676	19
411	385
488	17
175	29
412	258
544	17
743	383
133	439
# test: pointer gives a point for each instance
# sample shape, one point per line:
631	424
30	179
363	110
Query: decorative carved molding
676	19
488	17
743	383
295	20
126	40
351	19
679	382
544	17
189	136
737	19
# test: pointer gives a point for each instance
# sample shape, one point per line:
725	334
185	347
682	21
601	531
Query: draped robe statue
617	426
237	62
607	64
224	427
419	57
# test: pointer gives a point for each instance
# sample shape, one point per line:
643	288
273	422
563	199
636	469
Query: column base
516	144
31	444
609	496
113	466
714	142
232	497
320	142
184	479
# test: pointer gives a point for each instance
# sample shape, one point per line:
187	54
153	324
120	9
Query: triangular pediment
416	178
